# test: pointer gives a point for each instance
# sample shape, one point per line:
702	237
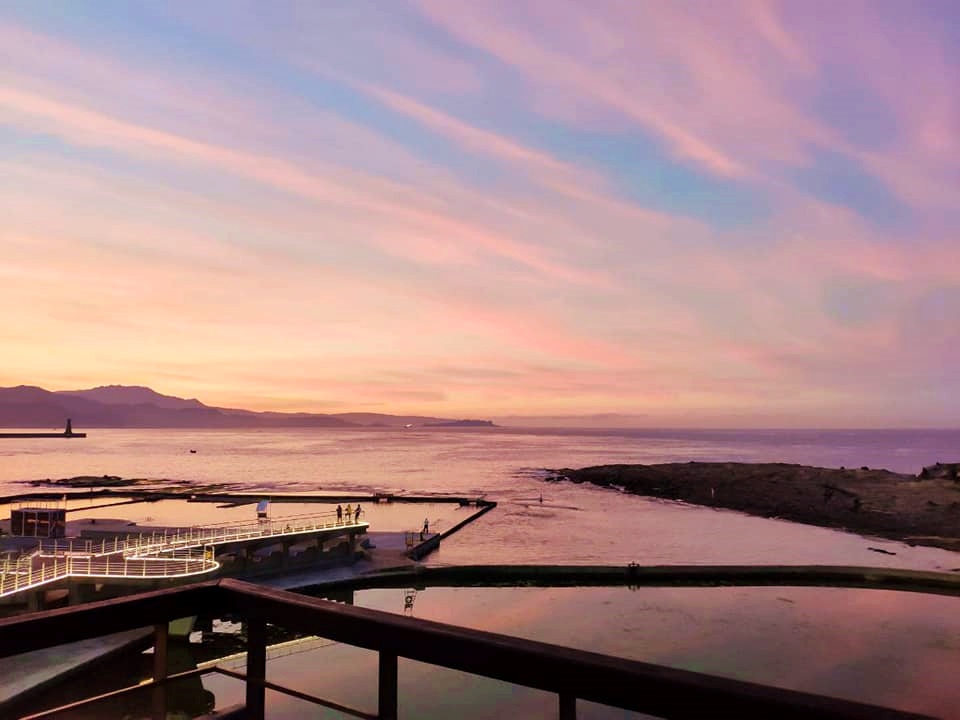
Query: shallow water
575	524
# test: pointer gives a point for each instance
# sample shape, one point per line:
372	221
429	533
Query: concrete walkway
387	553
32	671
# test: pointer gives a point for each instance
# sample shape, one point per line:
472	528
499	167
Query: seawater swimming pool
896	649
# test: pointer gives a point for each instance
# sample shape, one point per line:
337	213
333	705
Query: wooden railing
570	674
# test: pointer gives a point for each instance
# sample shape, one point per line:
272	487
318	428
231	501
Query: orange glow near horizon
462	210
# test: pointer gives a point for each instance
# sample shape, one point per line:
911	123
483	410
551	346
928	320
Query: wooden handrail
644	687
630	684
37	630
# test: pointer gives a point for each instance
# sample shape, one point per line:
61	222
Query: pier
67	433
161	556
39	567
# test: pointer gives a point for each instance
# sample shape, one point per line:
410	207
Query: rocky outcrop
923	511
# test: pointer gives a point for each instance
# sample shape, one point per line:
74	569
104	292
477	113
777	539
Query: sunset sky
695	213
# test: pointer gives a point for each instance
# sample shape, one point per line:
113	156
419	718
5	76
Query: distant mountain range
132	406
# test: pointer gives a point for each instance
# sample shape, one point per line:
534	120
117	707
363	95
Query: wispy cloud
687	211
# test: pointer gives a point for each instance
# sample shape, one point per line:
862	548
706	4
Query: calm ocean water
898	649
443	460
577	524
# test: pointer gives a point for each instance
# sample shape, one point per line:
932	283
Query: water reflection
181	698
895	649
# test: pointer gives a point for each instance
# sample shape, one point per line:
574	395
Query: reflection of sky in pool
895	649
889	648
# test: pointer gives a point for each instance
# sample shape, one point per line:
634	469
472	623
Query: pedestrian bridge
171	553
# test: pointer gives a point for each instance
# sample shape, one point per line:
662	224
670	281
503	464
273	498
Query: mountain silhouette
134	406
132	395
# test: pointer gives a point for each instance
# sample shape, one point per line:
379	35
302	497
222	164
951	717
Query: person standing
349	511
356	514
339	514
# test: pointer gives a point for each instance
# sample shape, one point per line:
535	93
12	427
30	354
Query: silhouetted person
356	514
339	514
69	430
349	511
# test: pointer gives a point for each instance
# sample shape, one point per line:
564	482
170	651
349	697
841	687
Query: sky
696	214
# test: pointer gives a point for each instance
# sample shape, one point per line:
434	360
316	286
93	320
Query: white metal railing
115	566
196	536
177	552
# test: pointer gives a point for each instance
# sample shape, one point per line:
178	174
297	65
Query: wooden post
256	667
568	707
387	709
159	691
161	633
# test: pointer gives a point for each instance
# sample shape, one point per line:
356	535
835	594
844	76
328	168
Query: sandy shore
871	502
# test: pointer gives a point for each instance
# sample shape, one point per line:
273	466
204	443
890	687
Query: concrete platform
388	553
33	671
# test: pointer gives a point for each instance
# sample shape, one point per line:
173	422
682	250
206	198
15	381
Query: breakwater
12	436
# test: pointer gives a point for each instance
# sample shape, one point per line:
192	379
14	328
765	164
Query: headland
918	510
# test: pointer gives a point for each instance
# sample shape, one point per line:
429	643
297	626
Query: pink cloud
258	311
764	17
472	137
733	90
339	187
430	218
356	263
483	29
570	180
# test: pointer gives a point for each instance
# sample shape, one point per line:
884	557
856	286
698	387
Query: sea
892	648
535	521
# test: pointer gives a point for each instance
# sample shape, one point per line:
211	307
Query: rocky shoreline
918	510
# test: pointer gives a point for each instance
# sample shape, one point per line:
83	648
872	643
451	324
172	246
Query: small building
944	471
263	509
38	522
